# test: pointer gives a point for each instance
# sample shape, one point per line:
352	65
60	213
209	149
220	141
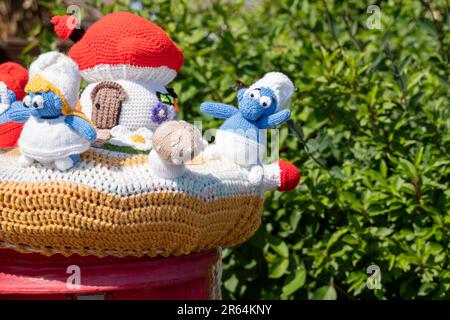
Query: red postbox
36	277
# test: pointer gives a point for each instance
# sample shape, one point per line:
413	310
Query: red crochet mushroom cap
15	77
289	176
122	45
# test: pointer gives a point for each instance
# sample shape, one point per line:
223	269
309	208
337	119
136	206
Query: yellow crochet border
65	218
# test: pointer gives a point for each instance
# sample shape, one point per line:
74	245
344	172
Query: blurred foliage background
369	132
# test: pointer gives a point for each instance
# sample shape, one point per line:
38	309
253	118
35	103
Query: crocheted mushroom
128	62
123	45
174	143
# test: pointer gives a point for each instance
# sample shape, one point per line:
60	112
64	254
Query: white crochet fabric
238	149
206	181
279	83
158	75
270	176
47	140
61	71
135	112
160	168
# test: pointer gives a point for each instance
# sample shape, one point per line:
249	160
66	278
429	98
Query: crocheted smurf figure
128	62
241	138
54	132
13	78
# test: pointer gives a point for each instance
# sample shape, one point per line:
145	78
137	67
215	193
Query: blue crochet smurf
53	132
241	138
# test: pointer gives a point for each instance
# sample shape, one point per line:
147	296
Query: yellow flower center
138	139
161	113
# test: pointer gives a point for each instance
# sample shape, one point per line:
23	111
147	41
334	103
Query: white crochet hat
57	72
279	83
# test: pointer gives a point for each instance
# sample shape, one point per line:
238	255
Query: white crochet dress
48	140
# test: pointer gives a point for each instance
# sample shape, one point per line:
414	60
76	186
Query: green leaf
312	145
278	268
383	168
409	168
231	283
335	237
294	281
425	289
419	156
294	219
350	239
278	245
325	293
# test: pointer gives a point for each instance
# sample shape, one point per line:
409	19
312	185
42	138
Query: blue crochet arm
218	110
17	113
4	118
274	120
82	127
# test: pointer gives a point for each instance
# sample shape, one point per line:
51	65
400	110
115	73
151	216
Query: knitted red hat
122	45
289	176
15	77
63	26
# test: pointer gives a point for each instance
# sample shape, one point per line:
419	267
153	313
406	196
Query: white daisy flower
140	139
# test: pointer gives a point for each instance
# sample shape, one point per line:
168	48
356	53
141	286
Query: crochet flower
160	113
141	139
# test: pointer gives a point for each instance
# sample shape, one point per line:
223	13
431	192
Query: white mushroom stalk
174	143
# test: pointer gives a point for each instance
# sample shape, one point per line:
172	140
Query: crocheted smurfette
50	140
110	204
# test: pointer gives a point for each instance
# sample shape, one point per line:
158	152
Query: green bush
369	132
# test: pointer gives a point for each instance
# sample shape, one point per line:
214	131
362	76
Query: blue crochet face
256	103
43	104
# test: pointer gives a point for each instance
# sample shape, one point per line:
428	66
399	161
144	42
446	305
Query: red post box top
36	274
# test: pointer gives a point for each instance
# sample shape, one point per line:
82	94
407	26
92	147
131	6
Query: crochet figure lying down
53	132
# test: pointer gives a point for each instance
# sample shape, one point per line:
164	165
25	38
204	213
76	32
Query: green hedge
369	132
